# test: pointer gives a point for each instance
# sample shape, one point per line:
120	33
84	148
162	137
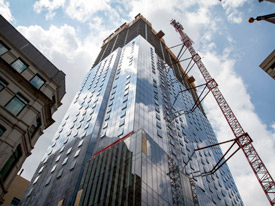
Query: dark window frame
37	75
22	62
2	130
3	83
20	99
15	156
8	48
34	128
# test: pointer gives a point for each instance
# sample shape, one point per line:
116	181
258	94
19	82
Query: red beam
114	143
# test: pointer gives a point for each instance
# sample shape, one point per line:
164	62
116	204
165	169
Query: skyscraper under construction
129	136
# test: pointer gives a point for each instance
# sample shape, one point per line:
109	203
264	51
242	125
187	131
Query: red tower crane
242	139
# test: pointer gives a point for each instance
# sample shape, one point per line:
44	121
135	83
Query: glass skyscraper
126	139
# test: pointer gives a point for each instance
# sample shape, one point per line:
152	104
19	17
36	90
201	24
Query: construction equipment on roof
242	139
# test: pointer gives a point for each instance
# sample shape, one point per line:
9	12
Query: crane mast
241	137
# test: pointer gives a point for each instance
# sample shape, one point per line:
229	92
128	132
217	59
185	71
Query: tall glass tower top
123	140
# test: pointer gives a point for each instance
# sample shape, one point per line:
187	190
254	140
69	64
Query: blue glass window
103	134
120	132
2	130
107	117
125	99
158	116
158	124
109	110
122	122
3	49
19	65
123	113
3	84
124	106
17	104
157	109
37	81
159	133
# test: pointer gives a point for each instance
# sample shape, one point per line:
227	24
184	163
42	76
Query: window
86	126
80	143
103	134
156	102
122	122
126	88
48	180
62	149
107	117
76	153
73	165
105	125
2	130
65	161
69	151
41	170
58	158
59	173
5	171
3	49
66	140
159	133
123	113
30	192
109	110
125	99
19	65
15	201
3	84
158	124
35	125
157	109
37	81
158	116
120	132
45	160
53	168
17	104
124	106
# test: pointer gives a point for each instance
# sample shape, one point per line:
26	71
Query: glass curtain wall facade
123	141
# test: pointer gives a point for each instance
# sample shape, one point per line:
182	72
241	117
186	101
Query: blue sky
70	32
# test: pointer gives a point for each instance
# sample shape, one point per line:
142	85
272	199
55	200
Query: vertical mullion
101	174
94	185
90	181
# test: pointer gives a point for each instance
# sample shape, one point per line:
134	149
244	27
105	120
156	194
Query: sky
70	33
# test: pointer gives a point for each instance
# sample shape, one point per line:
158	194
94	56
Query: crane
242	138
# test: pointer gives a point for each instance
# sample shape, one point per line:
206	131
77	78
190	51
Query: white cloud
5	10
82	10
74	56
49	6
41	5
234	15
234	90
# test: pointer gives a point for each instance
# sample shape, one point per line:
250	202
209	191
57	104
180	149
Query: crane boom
242	138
